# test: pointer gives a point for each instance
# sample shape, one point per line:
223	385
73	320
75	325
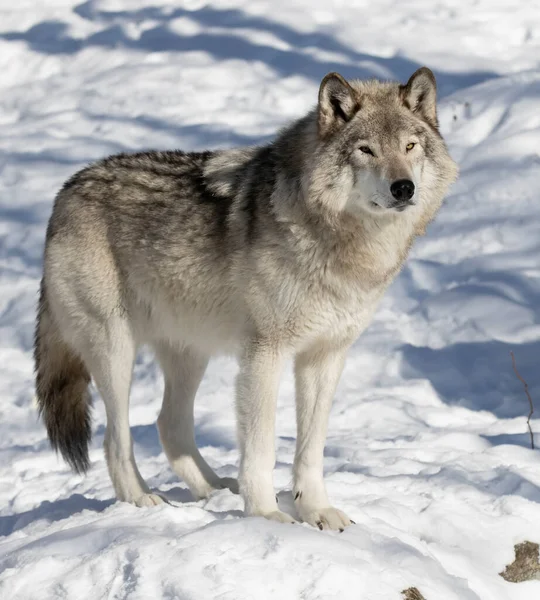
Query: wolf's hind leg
183	370
111	366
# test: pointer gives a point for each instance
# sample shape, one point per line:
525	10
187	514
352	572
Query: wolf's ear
420	95
338	103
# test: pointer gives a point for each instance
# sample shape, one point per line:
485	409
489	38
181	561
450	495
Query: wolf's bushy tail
62	390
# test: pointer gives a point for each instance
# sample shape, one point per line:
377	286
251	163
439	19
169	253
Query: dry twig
412	594
528	396
526	566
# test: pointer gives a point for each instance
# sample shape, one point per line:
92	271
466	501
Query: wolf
275	252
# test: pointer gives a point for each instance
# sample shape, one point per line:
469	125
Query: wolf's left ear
338	103
420	95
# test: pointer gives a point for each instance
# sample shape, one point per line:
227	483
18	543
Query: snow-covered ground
428	449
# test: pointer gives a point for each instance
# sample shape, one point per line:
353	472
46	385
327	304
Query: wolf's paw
206	490
149	500
279	516
229	483
326	518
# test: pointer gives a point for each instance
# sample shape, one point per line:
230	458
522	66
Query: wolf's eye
410	146
366	150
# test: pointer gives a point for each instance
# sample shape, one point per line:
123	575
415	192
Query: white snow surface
427	449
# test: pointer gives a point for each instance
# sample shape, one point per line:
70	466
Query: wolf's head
379	143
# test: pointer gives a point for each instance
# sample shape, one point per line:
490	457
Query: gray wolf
272	252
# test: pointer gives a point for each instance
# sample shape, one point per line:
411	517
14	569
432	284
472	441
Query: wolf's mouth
401	207
397	207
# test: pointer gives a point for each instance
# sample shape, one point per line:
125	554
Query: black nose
402	190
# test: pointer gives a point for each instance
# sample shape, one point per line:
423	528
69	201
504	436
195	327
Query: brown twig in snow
412	594
528	396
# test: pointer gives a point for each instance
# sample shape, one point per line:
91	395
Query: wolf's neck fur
309	195
378	243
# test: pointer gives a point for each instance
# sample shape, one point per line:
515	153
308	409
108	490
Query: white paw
326	518
278	516
206	490
229	483
149	500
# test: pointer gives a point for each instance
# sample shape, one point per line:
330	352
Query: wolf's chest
324	293
319	312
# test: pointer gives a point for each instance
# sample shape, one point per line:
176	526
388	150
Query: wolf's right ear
419	95
338	103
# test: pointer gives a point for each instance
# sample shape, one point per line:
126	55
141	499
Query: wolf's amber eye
410	146
366	150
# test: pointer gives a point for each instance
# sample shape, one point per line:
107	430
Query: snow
428	449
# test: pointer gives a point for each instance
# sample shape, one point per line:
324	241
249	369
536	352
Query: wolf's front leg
256	394
317	374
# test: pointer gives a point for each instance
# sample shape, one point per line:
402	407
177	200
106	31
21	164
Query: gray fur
266	252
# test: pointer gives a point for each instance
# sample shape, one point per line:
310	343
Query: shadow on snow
295	55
